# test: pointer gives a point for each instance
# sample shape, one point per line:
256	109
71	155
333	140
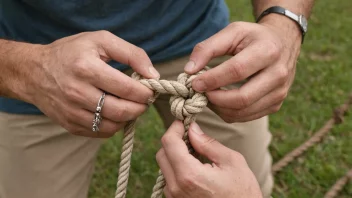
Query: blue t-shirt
165	29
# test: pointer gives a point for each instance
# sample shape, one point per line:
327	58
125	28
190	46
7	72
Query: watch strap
282	11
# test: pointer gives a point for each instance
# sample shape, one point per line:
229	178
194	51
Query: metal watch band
287	13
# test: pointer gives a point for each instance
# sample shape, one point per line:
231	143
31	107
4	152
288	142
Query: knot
185	102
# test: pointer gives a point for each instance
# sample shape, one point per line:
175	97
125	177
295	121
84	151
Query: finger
223	43
115	109
176	150
166	167
167	192
249	93
84	119
117	83
79	130
249	61
209	147
124	52
274	97
270	110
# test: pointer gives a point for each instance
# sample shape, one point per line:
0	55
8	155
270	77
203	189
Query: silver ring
97	117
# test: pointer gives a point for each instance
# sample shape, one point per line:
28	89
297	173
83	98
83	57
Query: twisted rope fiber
316	138
185	104
337	187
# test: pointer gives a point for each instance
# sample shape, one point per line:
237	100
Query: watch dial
304	23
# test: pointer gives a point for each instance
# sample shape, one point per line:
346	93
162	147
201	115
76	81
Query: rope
338	118
337	187
185	104
316	138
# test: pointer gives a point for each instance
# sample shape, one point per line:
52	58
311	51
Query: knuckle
160	155
187	181
282	74
273	49
70	116
204	49
127	89
81	68
237	71
73	92
282	96
276	108
175	191
120	113
236	157
206	143
139	52
200	47
236	24
166	139
243	101
103	33
136	53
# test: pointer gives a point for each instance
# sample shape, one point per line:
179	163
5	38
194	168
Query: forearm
17	60
297	6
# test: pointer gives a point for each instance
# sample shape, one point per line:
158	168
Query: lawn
323	81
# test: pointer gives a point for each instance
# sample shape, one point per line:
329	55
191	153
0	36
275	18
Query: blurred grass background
323	81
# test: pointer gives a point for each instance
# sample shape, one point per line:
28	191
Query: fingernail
153	72
189	66
195	128
199	85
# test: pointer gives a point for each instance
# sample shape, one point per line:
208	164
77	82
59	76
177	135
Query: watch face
304	23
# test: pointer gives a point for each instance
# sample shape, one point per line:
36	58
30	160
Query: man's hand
69	76
186	177
265	54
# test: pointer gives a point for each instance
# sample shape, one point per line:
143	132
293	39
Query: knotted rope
185	104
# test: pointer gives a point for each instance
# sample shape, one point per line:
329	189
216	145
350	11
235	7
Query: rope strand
185	104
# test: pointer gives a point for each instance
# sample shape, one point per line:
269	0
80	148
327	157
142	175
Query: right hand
227	176
71	75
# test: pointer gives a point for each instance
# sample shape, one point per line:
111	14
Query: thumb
208	147
222	43
126	53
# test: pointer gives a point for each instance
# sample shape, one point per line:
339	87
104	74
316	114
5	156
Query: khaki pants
40	159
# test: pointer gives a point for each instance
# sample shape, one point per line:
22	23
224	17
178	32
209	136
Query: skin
186	177
264	54
66	78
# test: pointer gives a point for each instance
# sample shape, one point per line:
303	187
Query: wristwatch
299	19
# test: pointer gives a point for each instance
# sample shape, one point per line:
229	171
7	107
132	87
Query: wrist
21	61
286	28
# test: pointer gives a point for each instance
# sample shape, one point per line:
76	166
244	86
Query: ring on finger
97	117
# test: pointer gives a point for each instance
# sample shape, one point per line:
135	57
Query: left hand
186	177
264	53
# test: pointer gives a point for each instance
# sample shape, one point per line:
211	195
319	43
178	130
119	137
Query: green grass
323	81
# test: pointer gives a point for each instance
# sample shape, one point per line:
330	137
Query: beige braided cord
338	186
185	104
316	138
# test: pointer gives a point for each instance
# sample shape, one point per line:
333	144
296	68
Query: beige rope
316	138
337	187
185	104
